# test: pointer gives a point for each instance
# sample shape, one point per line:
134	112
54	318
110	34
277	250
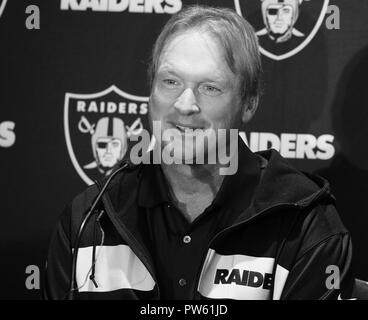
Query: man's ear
250	109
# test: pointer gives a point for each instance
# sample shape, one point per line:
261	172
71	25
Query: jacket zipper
280	205
134	244
131	241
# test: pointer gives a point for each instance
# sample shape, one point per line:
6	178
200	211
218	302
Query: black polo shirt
179	246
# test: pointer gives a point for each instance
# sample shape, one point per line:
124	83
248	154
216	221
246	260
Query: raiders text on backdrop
293	145
7	134
136	6
111	107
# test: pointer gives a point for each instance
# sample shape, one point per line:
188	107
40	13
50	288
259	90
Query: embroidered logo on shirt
244	278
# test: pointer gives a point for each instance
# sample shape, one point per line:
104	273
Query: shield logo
97	129
2	6
283	27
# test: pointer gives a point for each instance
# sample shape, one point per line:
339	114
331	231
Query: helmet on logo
109	143
279	17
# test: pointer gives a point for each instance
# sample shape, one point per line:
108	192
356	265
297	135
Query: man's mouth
183	127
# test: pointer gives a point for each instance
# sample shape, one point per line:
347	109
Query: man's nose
187	103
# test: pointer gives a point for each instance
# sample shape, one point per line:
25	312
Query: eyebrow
171	70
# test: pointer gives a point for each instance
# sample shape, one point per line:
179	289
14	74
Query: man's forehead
192	42
193	55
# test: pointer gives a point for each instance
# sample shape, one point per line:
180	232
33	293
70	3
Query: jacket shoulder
122	184
318	225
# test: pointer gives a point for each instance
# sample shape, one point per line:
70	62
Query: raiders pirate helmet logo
283	27
98	128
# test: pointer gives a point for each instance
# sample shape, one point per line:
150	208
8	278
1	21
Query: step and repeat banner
73	85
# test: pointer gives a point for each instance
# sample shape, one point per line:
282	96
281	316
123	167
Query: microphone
124	165
127	164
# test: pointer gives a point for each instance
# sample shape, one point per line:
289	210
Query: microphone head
130	162
127	164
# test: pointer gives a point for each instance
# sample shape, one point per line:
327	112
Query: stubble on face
195	60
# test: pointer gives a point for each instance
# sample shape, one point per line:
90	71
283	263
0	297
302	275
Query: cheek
159	104
223	113
218	117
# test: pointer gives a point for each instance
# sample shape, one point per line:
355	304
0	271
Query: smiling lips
183	127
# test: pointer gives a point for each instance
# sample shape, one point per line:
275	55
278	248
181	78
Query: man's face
108	151
194	89
279	17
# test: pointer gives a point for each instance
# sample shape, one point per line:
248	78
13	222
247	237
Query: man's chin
177	154
191	155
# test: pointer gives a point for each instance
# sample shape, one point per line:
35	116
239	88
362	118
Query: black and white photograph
185	154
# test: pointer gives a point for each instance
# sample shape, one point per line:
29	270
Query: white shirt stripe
117	267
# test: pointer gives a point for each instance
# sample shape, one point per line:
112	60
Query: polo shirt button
187	239
182	282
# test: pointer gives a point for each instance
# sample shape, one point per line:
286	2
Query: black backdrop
315	97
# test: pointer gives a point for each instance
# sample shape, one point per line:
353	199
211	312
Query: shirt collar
153	189
237	189
234	191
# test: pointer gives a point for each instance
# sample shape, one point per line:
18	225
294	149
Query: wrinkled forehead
203	34
196	53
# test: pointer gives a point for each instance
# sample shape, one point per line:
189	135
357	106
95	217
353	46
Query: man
185	231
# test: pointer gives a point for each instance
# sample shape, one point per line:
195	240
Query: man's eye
170	82
210	90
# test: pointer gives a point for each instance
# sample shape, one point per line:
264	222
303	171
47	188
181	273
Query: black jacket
289	244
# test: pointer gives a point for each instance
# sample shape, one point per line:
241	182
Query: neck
186	180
